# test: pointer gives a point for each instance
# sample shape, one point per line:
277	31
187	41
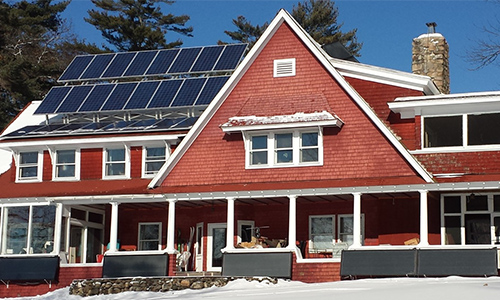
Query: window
321	232
28	229
281	149
469	218
115	163
284	67
29	166
67	163
154	158
86	234
461	130
149	236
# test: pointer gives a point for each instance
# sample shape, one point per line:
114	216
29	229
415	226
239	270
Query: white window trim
465	147
241	223
77	166
311	243
338	240
463	212
159	224
143	164
289	63
39	167
127	163
271	149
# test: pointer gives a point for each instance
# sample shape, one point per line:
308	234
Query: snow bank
455	288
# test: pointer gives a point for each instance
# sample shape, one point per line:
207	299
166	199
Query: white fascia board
455	187
216	103
314	48
229	129
386	76
483	102
89	142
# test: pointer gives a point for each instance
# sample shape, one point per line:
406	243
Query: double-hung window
29	166
154	158
287	148
322	233
149	236
66	165
116	163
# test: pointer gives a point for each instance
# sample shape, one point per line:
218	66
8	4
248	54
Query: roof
325	60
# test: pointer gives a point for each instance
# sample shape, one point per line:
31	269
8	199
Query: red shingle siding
378	95
358	150
91	166
475	163
136	162
47	166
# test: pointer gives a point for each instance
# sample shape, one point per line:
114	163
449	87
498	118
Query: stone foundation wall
103	286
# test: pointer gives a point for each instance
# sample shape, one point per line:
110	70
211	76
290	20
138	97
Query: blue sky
386	29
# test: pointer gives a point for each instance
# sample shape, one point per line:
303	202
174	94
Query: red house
303	166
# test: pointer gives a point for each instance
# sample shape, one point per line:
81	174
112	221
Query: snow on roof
318	118
25	118
430	35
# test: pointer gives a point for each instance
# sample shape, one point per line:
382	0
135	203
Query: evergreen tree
131	25
317	17
31	53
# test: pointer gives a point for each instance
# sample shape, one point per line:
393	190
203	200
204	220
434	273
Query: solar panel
76	67
154	63
184	61
117	67
142	95
140	63
53	99
162	62
74	99
212	87
230	57
119	96
207	59
97	66
189	92
96	98
165	94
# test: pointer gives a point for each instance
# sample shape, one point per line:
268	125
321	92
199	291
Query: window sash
65	166
322	232
115	164
28	165
154	159
149	236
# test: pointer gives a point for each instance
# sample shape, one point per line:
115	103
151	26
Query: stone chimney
430	57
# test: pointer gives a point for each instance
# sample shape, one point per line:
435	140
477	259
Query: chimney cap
431	27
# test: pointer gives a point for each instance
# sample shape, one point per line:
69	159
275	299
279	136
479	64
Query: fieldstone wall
430	57
103	286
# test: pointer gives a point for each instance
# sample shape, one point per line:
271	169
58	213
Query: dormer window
67	165
283	140
116	163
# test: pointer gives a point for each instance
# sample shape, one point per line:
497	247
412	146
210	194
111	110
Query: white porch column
292	222
230	224
356	220
113	231
424	231
58	229
171	227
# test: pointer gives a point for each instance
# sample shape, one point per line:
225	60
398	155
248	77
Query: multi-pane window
28	229
65	164
288	148
461	130
115	164
154	158
28	166
149	236
470	219
322	232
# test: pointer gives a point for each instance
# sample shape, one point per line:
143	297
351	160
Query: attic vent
284	67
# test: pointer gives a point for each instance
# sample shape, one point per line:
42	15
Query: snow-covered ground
455	288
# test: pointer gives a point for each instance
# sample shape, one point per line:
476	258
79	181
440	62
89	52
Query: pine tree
31	54
131	25
317	17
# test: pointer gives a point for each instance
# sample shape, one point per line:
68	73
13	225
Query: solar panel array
131	95
103	127
154	63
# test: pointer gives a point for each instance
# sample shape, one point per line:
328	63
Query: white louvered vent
284	67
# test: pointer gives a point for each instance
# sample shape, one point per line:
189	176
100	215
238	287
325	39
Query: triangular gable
283	17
